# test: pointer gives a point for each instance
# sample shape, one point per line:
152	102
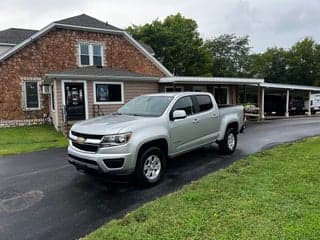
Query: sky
268	23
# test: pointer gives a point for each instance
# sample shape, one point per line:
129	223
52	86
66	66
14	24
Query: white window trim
84	93
108	103
25	95
169	87
90	46
54	96
228	93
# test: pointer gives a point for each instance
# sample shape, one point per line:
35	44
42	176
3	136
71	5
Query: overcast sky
268	22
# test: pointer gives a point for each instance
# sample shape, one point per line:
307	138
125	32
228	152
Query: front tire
150	166
229	143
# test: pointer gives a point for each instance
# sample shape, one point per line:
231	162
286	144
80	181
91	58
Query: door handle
214	115
195	120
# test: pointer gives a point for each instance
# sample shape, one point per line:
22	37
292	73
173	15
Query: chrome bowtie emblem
80	140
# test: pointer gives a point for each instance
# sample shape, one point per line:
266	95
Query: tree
304	64
230	55
177	44
272	65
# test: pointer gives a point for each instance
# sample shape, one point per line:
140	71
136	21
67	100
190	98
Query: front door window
75	101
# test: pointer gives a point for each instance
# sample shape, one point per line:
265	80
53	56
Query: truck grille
86	147
86	136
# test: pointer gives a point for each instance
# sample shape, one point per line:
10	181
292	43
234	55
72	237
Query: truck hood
109	124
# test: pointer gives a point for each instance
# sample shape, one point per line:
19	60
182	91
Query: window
91	54
32	95
204	102
152	106
186	104
52	98
171	89
84	54
97	56
200	89
221	95
108	93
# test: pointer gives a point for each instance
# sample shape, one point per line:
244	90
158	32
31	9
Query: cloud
267	22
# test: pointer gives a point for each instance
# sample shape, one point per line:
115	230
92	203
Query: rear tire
229	143
150	166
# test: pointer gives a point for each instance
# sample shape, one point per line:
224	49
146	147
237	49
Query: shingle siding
57	51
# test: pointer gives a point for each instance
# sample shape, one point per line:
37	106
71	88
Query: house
70	69
80	67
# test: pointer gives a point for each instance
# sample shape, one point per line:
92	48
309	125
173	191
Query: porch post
287	103
309	104
262	102
259	102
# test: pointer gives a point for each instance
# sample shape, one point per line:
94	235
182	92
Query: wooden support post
287	103
309	104
259	102
262	102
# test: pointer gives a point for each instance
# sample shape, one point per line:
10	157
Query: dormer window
91	54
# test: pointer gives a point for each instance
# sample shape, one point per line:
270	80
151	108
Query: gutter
95	77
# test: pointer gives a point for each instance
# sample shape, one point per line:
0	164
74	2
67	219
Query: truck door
208	119
183	132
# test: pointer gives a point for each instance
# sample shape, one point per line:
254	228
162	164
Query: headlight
116	139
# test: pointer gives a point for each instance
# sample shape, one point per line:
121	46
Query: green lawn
28	139
270	195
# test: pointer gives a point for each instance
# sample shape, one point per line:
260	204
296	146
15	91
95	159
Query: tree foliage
230	55
177	44
298	65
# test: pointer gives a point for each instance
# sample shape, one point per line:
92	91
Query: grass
270	195
29	139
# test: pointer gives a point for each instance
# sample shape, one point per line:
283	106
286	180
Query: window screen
97	58
108	92
84	54
32	98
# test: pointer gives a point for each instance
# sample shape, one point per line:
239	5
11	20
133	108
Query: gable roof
89	24
13	36
87	21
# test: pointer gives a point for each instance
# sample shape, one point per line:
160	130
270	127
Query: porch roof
211	80
99	73
290	87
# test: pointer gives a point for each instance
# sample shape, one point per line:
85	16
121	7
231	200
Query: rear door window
204	103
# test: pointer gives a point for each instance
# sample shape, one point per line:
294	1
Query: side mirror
179	114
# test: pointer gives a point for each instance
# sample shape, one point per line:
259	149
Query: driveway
43	197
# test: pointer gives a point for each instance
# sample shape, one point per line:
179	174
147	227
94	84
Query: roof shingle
84	20
15	35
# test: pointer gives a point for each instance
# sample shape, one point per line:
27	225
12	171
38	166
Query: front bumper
115	161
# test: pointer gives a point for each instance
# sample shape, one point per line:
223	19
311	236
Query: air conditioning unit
45	89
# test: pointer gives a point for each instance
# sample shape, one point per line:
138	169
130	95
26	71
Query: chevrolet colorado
149	129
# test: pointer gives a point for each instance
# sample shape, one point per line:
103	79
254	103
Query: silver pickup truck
140	137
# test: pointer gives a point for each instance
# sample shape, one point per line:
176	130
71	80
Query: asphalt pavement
43	197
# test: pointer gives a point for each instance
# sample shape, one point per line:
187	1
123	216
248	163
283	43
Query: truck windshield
152	106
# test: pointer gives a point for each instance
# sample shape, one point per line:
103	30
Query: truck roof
175	94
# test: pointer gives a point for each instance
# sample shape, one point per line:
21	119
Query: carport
280	95
265	100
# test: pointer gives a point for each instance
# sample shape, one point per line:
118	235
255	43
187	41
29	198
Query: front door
75	101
